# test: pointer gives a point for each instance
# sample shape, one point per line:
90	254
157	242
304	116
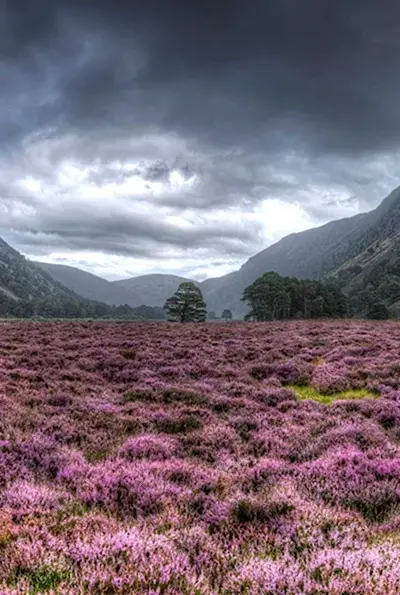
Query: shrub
251	511
355	480
129	354
139	395
130	489
148	446
329	379
178	425
181	396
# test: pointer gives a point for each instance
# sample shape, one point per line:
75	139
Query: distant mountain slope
152	290
88	285
27	290
20	280
373	275
309	254
148	290
362	252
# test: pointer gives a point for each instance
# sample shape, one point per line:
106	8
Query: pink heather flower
149	446
26	497
330	378
232	485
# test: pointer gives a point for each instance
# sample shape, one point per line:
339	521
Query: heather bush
263	474
148	446
129	489
156	458
355	480
26	498
252	511
177	424
41	454
293	372
362	434
272	396
289	442
139	395
330	378
387	414
171	396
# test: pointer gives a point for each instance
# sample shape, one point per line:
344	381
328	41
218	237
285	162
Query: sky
185	136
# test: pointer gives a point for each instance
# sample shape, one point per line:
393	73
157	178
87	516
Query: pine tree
186	305
273	297
226	315
378	311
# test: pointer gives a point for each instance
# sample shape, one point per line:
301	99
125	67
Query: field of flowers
197	459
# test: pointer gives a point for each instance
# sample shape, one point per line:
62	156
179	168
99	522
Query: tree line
270	297
63	306
273	297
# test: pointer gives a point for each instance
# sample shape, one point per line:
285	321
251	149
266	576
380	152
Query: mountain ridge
315	253
152	289
26	290
88	285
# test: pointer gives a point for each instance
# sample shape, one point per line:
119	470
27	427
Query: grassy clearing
40	580
311	393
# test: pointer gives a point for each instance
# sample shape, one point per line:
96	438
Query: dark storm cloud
80	225
160	171
289	99
315	73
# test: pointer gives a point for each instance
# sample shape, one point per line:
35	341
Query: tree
267	297
186	305
378	311
226	315
212	316
272	297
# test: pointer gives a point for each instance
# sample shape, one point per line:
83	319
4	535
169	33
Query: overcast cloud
183	137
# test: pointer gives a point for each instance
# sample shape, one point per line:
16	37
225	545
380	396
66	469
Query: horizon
136	143
112	278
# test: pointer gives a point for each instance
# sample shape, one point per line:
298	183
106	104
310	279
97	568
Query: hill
152	290
361	252
27	290
89	286
19	280
333	249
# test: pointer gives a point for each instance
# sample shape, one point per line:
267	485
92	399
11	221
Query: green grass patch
40	580
97	455
307	392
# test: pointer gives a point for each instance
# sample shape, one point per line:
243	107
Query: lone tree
226	315
186	305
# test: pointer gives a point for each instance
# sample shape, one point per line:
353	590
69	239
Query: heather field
197	459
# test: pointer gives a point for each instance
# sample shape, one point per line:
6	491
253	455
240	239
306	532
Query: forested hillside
26	291
362	252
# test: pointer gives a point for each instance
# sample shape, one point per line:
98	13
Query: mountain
148	290
328	250
24	287
19	280
28	290
90	286
362	253
153	289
